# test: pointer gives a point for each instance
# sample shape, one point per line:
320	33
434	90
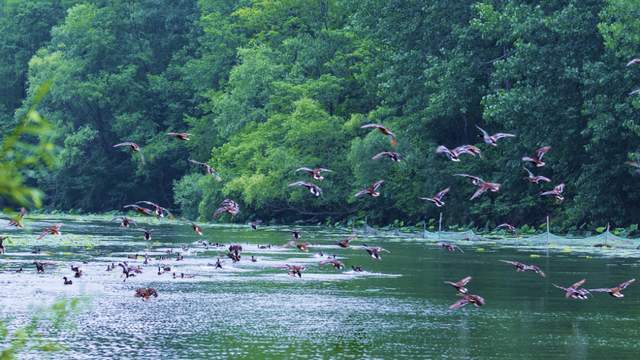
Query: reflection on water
396	308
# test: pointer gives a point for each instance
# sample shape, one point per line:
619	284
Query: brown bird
227	206
575	291
449	247
437	198
375	251
454	154
208	168
139	209
303	246
180	135
508	227
196	228
125	222
556	192
315	173
344	243
17	221
51	230
520	267
372	190
535	179
133	146
146	293
493	139
313	188
392	155
616	292
337	264
158	210
483	186
383	130
460	284
633	61
294	270
537	157
476	300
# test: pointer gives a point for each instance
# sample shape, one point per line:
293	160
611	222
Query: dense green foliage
267	86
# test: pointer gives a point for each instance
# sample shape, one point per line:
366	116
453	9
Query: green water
397	308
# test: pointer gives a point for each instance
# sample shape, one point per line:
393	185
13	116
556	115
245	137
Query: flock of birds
149	208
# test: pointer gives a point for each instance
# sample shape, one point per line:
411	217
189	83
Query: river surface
397	308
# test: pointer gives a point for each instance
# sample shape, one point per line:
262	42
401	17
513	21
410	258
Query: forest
265	87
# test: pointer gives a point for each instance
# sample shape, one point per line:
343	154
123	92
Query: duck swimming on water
67	281
146	293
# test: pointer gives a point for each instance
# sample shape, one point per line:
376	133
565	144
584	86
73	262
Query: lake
396	308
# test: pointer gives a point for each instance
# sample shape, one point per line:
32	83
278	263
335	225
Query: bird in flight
535	179
616	292
208	169
227	206
373	190
337	264
384	130
124	221
575	291
536	159
437	198
476	300
139	209
633	61
294	270
51	230
133	146
344	243
454	154
179	135
375	251
556	192
315	173
158	210
508	227
392	155
493	139
520	267
483	186
460	285
196	228
313	188
17	221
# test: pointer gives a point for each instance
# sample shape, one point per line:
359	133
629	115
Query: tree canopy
268	86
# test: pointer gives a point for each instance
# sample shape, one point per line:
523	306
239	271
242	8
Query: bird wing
528	171
499	136
376	185
375	126
458	304
443	149
484	133
323	169
600	290
149	203
633	61
481	190
474	178
442	193
464	281
197	162
625	284
379	155
578	284
298	183
304	169
543	150
514	263
559	189
126	143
